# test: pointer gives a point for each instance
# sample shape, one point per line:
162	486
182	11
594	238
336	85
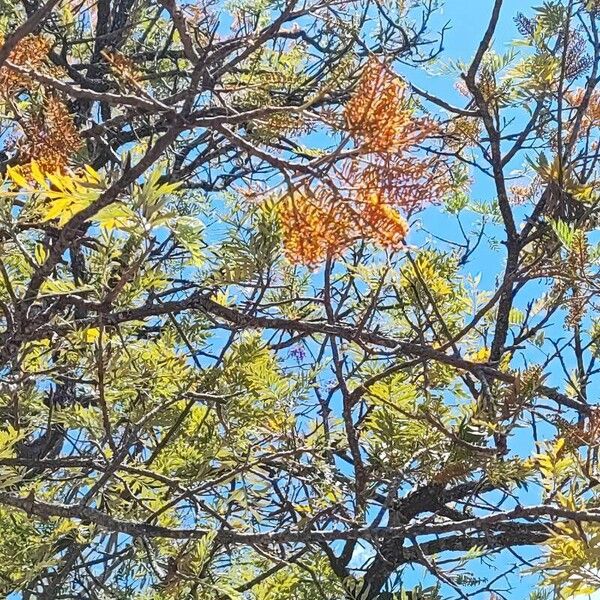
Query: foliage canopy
246	347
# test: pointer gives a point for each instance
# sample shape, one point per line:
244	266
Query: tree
245	350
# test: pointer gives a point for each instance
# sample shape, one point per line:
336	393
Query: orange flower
402	181
312	228
123	68
383	224
317	225
379	115
32	52
592	114
50	137
369	188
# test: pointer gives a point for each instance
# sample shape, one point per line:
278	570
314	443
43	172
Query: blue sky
468	20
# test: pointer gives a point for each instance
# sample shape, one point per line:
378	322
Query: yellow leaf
37	174
481	356
221	298
40	254
114	217
168	188
91	334
16	177
58	208
93	174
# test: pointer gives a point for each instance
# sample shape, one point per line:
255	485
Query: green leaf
564	232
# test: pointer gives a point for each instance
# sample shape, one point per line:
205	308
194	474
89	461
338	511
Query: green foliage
186	413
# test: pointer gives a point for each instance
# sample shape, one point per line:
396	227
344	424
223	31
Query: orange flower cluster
312	228
31	52
592	114
521	193
406	182
316	228
586	433
383	224
123	68
362	198
48	134
379	116
50	137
